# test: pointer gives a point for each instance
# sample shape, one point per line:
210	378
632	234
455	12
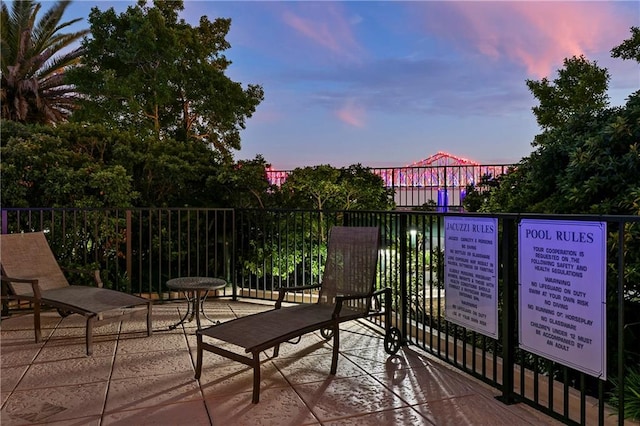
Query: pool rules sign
562	300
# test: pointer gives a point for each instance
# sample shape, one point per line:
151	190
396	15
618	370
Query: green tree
79	165
243	184
328	188
64	166
630	48
580	89
570	111
145	69
32	64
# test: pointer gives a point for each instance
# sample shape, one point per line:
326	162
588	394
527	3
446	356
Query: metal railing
259	251
137	250
442	186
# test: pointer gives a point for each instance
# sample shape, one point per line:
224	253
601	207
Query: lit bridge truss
441	170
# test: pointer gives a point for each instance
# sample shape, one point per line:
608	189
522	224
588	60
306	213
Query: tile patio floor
136	380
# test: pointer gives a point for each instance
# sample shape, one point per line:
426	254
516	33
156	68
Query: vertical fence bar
129	247
621	325
403	273
508	315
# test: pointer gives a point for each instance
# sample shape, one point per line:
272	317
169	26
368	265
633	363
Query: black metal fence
442	187
258	251
137	250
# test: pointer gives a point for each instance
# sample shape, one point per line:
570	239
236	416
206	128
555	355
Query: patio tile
73	371
420	385
61	403
75	347
469	410
75	326
399	416
310	367
336	398
353	335
151	363
277	407
11	376
21	335
81	421
133	379
19	353
193	413
23	321
159	341
376	360
223	377
148	391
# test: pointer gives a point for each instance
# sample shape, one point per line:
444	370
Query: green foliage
630	48
328	188
62	167
580	89
32	64
631	395
479	195
74	165
244	184
428	206
147	70
586	159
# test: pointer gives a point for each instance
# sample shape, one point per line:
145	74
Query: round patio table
192	287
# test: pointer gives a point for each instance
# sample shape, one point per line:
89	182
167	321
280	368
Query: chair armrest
283	290
34	287
381	291
96	274
340	299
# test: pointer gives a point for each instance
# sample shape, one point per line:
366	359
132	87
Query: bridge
440	179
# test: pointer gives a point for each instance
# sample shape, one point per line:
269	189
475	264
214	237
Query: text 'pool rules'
562	292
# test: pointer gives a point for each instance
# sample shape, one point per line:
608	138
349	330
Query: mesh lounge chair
347	292
30	272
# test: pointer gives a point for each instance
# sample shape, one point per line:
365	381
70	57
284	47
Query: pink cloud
327	25
352	114
538	35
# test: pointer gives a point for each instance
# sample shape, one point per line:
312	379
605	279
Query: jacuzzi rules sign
562	293
470	277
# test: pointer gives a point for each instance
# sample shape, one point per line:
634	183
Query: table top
196	283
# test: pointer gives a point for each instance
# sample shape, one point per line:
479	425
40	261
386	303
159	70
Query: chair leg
256	378
149	322
89	334
198	356
336	349
36	321
276	351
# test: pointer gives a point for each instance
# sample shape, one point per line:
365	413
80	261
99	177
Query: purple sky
391	83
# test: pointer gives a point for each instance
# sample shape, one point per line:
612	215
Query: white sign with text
562	293
470	278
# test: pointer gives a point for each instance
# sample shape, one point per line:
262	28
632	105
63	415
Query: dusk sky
391	83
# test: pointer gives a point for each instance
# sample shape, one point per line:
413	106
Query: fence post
509	317
5	225
129	249
404	259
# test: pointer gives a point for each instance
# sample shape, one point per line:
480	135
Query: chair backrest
351	265
28	255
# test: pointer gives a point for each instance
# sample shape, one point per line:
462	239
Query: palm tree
33	89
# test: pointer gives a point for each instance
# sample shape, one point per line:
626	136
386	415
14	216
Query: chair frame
69	300
308	317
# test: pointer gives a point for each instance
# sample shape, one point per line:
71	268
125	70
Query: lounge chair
347	292
31	273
